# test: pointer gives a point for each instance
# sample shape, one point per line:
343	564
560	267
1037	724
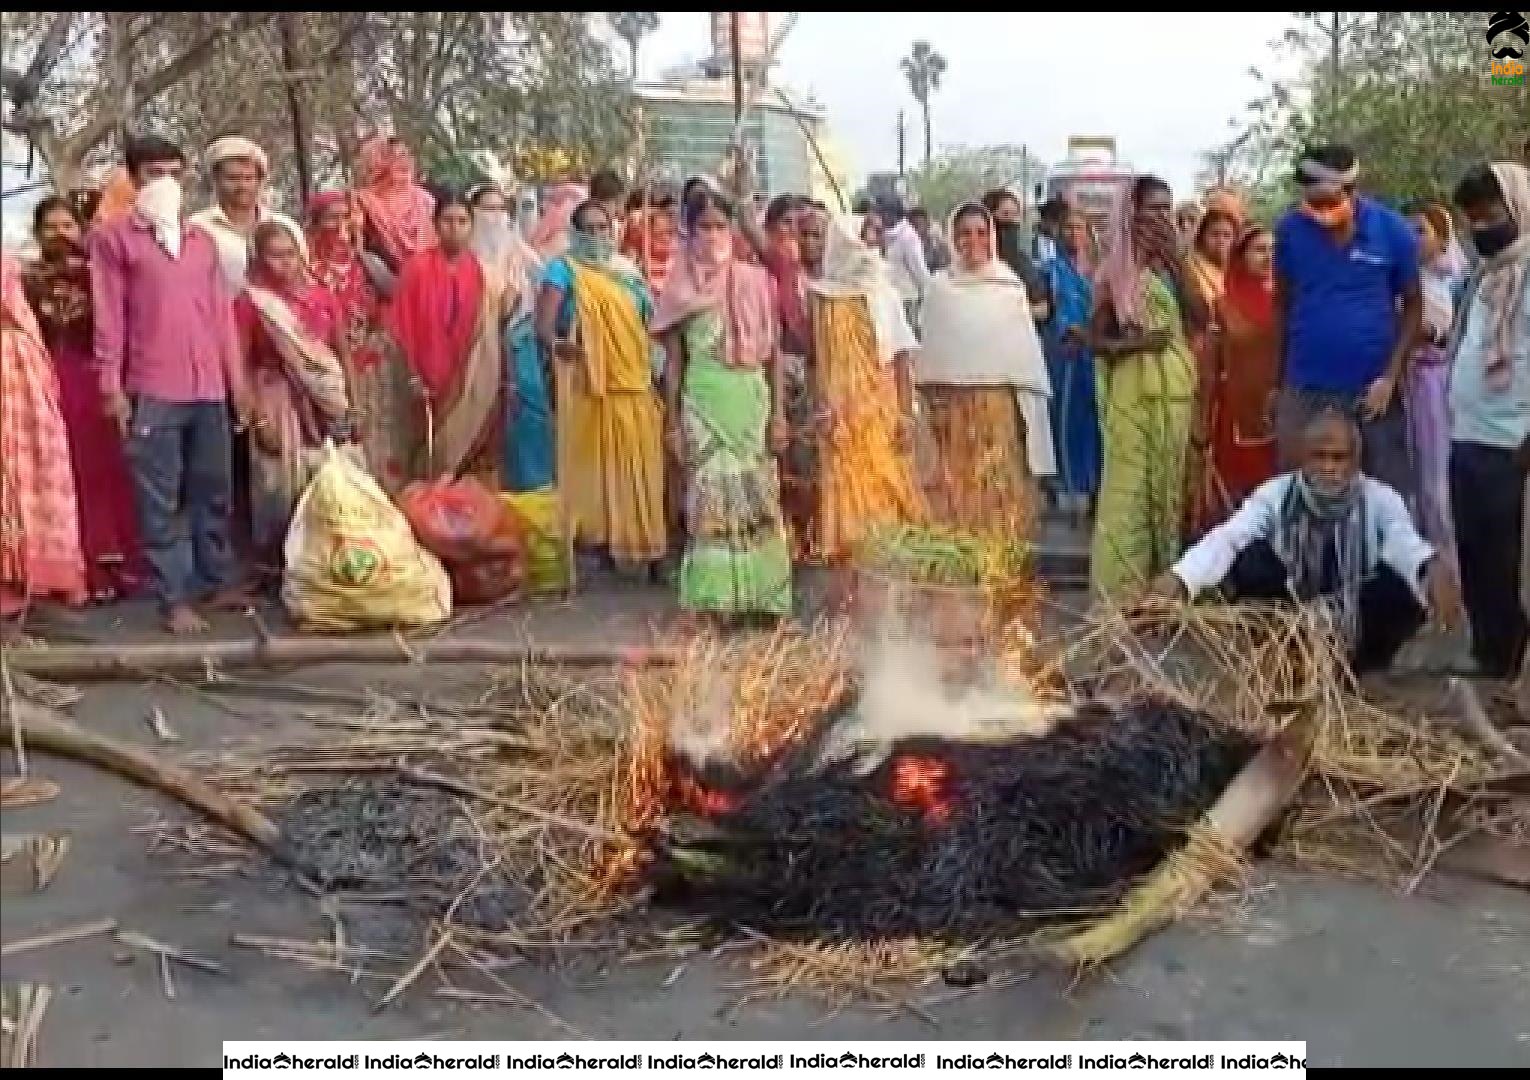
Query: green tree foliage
1411	91
632	27
964	173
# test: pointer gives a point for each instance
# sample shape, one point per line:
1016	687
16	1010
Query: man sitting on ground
1325	532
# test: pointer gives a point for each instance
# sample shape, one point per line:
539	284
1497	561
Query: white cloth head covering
849	269
979	332
237	146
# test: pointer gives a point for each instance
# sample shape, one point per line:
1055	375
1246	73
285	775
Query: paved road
1440	978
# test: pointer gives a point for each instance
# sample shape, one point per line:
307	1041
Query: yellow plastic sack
546	556
352	562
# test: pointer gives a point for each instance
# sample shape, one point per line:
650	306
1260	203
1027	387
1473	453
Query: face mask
1493	239
491	233
1335	217
159	201
593	249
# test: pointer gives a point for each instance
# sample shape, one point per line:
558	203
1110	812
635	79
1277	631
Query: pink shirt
164	327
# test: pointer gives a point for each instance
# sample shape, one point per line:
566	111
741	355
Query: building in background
1090	176
688	118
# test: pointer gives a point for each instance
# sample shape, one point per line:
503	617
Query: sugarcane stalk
134	660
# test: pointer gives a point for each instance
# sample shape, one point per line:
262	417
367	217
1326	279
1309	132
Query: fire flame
698	798
921	783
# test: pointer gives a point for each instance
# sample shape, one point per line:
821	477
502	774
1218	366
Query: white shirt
234	246
1480	413
905	254
1393	539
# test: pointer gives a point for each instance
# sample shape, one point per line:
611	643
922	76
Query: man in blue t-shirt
1349	313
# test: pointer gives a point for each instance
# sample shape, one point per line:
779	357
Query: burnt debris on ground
954	840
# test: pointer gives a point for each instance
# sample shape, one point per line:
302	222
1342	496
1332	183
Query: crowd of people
721	389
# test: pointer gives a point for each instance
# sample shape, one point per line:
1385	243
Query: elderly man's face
238	181
1331	457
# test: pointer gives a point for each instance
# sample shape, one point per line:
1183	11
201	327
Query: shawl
1326	546
549	236
851	269
517	264
336	265
434	314
307	360
396	206
14	298
784	264
1500	280
740	293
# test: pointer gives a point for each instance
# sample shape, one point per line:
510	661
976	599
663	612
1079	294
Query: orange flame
920	783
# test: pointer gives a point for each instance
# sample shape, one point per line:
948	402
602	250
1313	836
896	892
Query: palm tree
632	27
923	68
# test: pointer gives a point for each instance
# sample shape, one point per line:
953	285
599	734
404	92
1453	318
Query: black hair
1335	156
1479	185
1054	209
998	197
890	209
862	205
584	208
142	149
920	213
606	185
448	197
1147	182
635	200
691	185
712	200
780	207
50	204
1216	213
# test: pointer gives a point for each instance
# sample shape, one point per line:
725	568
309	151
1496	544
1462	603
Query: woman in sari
861	374
58	287
529	432
983	377
722	388
1146	385
296	353
40	556
381	404
1206	268
396	210
447	317
592	318
1070	365
1429	379
650	241
1244	379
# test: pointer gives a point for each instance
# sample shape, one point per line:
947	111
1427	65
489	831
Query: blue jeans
179	456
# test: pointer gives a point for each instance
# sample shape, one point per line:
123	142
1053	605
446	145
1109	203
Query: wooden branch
1249	805
133	660
46	730
46	58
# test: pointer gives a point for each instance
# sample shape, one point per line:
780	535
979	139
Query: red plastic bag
469	528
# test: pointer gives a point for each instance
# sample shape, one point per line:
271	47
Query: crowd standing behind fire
721	390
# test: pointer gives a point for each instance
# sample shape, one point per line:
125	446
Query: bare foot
182	619
233	598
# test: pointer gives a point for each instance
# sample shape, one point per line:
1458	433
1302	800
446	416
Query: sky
1165	84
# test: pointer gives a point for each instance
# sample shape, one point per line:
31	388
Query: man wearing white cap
239	171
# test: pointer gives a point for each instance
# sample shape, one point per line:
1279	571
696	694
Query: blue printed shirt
1341	303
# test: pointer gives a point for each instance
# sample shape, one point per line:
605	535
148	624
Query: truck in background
1090	176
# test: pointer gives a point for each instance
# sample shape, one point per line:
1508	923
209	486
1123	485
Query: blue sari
1075	414
529	451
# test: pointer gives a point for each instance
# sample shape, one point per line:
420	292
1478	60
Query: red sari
60	297
446	317
1242	438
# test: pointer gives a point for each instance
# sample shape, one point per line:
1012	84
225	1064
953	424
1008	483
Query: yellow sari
610	432
865	479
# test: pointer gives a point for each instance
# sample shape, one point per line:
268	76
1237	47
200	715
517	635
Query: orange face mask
1337	216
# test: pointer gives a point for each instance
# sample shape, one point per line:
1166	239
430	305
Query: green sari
737	554
1146	402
